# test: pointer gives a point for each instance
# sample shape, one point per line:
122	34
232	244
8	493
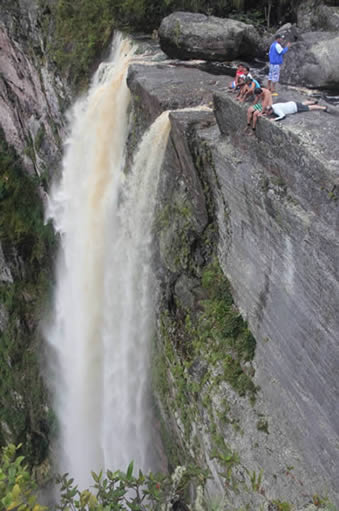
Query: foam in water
105	293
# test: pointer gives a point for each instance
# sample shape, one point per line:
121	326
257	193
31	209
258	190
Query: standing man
276	59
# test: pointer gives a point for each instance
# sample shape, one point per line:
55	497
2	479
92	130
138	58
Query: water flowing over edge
105	295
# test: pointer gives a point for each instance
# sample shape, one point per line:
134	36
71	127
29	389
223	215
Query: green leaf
130	471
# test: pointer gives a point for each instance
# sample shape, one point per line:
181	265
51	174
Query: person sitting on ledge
293	107
238	74
250	85
263	100
241	73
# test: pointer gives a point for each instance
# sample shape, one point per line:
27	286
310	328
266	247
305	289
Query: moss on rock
28	245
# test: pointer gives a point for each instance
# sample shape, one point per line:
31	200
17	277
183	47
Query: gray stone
3	318
30	90
313	61
287	280
314	15
186	35
5	272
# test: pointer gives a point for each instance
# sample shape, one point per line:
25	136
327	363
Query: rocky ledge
272	199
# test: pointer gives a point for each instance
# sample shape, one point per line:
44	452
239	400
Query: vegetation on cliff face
118	491
27	245
199	354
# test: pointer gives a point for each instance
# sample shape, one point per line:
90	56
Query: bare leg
255	118
317	107
308	102
269	85
242	93
250	113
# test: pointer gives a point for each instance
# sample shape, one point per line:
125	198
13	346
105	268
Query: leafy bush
17	488
116	491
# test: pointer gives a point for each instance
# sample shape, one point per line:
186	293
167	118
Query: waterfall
105	293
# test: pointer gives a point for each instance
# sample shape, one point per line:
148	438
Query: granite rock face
188	35
313	61
287	278
32	97
271	202
32	104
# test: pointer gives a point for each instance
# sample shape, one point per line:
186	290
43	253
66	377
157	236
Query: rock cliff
32	96
32	103
267	207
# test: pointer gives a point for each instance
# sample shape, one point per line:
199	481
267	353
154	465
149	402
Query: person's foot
251	133
248	127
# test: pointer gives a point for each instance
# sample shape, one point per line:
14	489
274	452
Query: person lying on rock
263	100
275	57
248	90
293	107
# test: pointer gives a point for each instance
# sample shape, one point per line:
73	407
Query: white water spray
105	296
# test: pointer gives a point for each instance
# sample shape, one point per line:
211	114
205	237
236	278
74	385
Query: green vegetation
114	491
83	29
262	425
17	487
219	334
282	506
28	245
118	491
201	350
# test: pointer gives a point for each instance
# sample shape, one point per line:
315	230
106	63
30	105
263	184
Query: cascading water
105	294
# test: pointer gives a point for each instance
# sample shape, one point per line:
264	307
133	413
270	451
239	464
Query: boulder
289	31
186	35
312	16
313	61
